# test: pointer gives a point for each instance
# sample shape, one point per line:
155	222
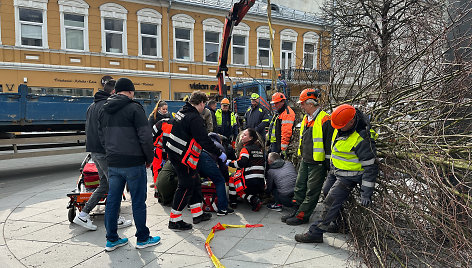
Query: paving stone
23	248
121	257
194	245
55	233
171	260
16	229
276	232
61	255
26	212
260	251
228	263
7	259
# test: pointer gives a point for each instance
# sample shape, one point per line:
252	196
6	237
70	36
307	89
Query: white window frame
31	4
263	32
150	16
242	29
215	26
76	7
311	38
186	22
118	12
289	35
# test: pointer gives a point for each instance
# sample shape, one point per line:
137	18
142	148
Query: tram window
252	89
75	92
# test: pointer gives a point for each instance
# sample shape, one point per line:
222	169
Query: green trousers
308	187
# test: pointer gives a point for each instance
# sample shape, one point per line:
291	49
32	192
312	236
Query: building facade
169	47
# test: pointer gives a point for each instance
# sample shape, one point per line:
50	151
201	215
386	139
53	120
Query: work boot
179	226
256	203
295	221
289	215
204	217
309	238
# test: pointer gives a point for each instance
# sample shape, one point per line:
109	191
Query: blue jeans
207	167
136	179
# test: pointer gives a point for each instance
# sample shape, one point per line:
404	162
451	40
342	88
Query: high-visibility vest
317	136
287	118
219	118
342	154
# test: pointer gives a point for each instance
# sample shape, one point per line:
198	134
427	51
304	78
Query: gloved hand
365	201
228	161
223	157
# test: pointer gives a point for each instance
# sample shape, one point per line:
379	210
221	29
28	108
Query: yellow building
168	47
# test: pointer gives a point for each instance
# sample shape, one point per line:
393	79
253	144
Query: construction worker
353	161
312	170
226	124
186	140
280	127
257	117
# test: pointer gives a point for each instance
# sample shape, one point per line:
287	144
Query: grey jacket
281	175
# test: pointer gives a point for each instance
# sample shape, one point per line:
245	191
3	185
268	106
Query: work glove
365	201
228	161
283	154
223	157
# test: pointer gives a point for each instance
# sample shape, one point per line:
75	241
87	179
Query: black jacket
257	118
125	133
189	124
92	143
158	118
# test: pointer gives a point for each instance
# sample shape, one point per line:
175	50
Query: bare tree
408	64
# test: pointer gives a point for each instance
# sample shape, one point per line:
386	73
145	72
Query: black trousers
189	187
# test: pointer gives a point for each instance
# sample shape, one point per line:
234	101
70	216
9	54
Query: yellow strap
210	236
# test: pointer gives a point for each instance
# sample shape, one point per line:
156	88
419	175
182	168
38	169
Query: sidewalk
37	233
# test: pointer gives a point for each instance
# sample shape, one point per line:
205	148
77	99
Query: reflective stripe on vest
317	136
271	133
219	118
342	155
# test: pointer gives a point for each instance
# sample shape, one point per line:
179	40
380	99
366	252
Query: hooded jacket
124	132
92	143
257	118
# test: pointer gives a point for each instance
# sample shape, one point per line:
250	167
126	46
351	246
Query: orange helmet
342	115
309	93
224	101
277	97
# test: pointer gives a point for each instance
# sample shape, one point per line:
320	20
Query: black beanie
124	84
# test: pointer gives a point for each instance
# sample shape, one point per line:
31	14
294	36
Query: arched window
149	28
74	24
212	29
288	44
113	28
240	41
183	37
263	46
31	23
310	49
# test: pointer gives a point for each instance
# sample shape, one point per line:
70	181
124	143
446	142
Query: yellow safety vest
342	155
219	118
317	135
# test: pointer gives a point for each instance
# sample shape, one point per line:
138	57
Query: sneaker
275	206
152	241
85	222
295	221
228	211
118	243
179	226
309	238
123	223
204	217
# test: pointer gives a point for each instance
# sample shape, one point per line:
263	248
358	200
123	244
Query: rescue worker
312	170
160	131
257	117
187	139
248	181
353	161
226	124
281	124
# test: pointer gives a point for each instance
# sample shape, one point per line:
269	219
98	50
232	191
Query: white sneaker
123	223
85	222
